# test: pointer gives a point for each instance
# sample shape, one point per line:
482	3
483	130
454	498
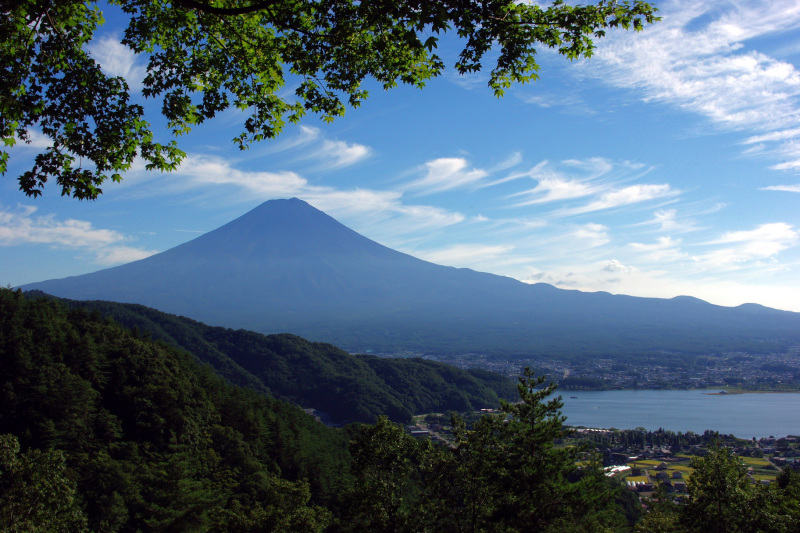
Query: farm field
678	470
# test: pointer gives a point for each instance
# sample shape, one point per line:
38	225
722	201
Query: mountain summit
285	266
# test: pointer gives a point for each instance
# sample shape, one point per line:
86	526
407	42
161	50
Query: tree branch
225	11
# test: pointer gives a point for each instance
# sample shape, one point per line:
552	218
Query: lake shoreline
734	392
719	391
746	415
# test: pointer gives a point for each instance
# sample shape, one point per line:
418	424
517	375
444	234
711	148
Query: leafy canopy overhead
206	56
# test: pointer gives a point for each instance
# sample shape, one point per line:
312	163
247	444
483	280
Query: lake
744	415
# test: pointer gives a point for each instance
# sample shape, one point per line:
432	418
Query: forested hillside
104	430
151	439
317	375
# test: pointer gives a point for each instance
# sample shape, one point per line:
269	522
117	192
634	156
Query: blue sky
668	164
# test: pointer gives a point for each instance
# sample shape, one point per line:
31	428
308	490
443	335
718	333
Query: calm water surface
743	415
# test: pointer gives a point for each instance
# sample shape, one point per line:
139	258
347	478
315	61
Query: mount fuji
287	267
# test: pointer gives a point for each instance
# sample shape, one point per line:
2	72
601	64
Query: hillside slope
316	375
153	440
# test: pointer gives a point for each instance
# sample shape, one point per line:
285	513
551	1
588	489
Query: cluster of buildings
778	371
644	469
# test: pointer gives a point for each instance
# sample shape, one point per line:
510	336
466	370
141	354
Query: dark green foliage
318	375
785	505
429	386
723	499
505	473
36	494
153	440
386	462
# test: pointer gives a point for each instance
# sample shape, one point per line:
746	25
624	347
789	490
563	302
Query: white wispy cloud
116	59
427	215
446	173
338	154
382	215
352	202
667	220
594	167
617	267
597	179
772	136
510	162
36	139
621	197
592	234
665	249
789	152
461	254
698	58
379	212
118	255
569	102
470	81
762	243
305	136
24	227
199	170
784	188
556	188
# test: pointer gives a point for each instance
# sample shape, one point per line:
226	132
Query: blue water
743	415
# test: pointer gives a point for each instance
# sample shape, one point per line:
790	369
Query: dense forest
151	439
104	429
348	388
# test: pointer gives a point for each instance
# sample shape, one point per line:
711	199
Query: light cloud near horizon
23	227
457	255
664	249
761	243
592	234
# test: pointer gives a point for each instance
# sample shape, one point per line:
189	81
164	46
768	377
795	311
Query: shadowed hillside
316	375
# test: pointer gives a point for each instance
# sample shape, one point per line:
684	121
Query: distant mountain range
288	267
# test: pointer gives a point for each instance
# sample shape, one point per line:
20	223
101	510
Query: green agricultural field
762	477
755	461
